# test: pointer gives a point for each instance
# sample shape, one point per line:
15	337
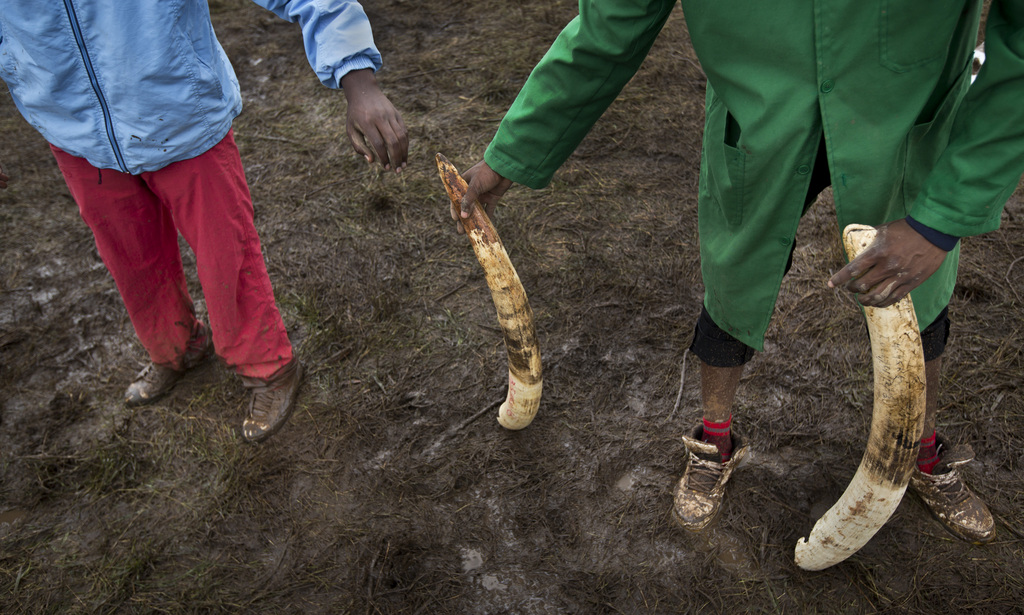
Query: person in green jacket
875	100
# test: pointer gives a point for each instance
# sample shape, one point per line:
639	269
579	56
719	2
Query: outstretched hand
374	126
897	262
485	186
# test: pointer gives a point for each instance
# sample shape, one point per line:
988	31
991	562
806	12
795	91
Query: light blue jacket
137	85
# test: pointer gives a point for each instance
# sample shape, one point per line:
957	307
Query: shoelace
262	403
704	474
951	486
264	399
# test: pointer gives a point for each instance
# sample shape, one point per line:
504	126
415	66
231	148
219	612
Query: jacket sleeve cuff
506	165
941	240
354	63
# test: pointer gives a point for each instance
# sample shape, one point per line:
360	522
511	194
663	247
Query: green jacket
886	83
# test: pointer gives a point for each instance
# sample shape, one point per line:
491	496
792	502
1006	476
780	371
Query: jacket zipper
107	119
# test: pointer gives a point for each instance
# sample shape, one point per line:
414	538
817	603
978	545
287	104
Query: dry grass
393	490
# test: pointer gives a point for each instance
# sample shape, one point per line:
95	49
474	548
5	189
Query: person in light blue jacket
137	101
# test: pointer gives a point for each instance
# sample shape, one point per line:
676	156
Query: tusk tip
514	421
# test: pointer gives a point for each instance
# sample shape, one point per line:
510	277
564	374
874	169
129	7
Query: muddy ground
393	489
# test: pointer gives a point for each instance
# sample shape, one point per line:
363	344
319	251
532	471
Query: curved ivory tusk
514	313
878	486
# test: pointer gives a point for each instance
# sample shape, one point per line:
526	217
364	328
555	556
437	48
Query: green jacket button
803	169
827	86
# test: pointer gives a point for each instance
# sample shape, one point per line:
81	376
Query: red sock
720	435
928	456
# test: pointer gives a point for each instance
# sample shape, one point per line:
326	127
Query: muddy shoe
698	497
155	381
272	401
949	500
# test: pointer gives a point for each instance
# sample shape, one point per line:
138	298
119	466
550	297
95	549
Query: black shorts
718	348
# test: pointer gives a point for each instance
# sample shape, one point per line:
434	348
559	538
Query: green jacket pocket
726	166
912	34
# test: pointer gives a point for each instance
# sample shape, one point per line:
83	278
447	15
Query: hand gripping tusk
514	313
878	486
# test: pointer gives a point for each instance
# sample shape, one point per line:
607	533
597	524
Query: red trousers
136	220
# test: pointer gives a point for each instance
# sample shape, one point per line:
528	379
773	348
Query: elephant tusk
896	423
514	314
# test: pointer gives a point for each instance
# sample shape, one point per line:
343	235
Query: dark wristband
941	240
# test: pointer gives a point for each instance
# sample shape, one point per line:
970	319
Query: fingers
898	261
455	216
398	145
853	277
374	125
386	141
474	196
474	187
392	144
874	284
359	144
844	275
489	200
885	294
484	186
468	201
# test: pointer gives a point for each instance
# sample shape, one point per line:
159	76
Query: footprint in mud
625	482
729	551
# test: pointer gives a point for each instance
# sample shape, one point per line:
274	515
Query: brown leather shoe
155	381
949	500
698	496
272	401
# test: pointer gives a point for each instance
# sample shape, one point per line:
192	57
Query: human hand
374	126
897	262
3	178
485	186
